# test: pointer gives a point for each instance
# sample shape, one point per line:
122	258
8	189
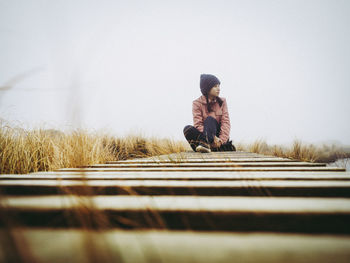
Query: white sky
134	66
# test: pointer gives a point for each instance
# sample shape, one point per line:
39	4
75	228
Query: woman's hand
217	142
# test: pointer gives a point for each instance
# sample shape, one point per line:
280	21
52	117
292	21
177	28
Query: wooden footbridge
183	207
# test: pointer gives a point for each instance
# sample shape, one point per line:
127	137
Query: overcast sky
134	66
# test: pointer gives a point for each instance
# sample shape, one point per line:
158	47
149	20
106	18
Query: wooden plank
210	155
280	214
217	153
206	156
195	169
228	158
76	246
189	203
343	176
172	187
174	183
197	160
207	164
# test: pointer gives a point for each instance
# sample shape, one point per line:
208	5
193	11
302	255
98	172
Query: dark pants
195	137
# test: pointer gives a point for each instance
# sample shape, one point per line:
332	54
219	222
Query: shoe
203	149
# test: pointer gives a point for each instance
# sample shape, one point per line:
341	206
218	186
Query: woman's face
215	91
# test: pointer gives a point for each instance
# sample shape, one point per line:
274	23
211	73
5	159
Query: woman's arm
197	116
225	123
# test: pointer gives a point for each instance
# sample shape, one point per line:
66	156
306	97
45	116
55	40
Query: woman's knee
210	118
187	128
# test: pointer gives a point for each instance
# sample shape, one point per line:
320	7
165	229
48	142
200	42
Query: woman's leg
211	128
193	136
226	146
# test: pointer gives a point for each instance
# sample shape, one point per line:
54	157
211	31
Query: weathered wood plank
207	164
205	157
211	160
189	203
280	214
171	187
62	246
210	155
225	175
219	204
198	169
201	160
217	153
192	153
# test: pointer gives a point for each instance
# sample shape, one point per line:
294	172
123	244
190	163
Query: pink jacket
200	113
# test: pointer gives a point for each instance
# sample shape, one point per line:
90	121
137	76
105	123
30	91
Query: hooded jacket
200	113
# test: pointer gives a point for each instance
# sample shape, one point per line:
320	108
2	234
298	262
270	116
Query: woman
211	130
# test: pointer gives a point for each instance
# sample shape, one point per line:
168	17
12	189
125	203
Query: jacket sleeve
197	116
225	123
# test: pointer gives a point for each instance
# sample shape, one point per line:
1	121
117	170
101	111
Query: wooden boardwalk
184	207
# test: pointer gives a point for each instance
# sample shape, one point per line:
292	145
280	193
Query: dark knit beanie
207	81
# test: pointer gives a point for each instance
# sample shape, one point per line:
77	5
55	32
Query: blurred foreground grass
24	151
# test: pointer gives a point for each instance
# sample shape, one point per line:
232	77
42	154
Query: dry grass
24	151
298	151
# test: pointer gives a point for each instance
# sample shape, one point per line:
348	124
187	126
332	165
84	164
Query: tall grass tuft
24	151
298	151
